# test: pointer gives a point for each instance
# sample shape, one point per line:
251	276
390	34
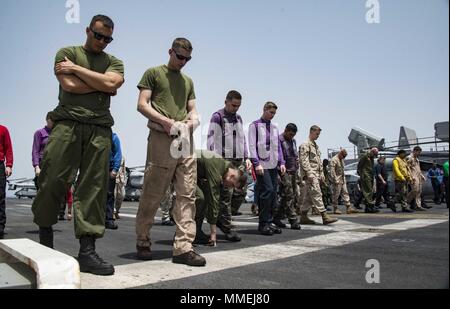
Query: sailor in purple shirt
39	142
226	137
289	202
266	155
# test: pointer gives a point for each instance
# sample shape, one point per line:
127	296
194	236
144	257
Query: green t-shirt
446	169
171	91
91	108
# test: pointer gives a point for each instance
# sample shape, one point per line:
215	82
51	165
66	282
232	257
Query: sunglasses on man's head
181	57
99	36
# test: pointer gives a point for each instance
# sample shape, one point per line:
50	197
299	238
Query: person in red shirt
6	164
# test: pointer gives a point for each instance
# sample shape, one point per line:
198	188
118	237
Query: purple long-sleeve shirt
226	135
290	153
264	144
39	142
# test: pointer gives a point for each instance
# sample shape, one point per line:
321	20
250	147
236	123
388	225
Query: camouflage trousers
168	203
289	198
340	190
312	196
326	194
401	193
119	195
416	192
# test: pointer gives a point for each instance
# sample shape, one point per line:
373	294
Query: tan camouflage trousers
312	196
340	189
415	193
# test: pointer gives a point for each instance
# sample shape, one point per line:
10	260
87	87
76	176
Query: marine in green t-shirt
92	105
171	90
167	95
213	172
81	143
167	101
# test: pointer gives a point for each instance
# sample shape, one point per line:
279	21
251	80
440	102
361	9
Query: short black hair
49	116
400	152
233	95
291	127
107	22
417	148
381	158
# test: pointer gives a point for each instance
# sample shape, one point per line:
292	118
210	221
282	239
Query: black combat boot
295	224
232	236
266	230
200	238
370	209
391	205
46	236
275	229
111	225
357	206
406	210
278	223
89	260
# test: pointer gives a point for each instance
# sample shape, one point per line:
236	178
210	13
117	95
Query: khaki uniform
161	170
311	166
169	159
417	180
337	177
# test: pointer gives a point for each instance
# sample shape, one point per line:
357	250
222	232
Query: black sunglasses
99	36
181	57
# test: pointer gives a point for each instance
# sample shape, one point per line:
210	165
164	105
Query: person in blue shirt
114	166
434	175
440	178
